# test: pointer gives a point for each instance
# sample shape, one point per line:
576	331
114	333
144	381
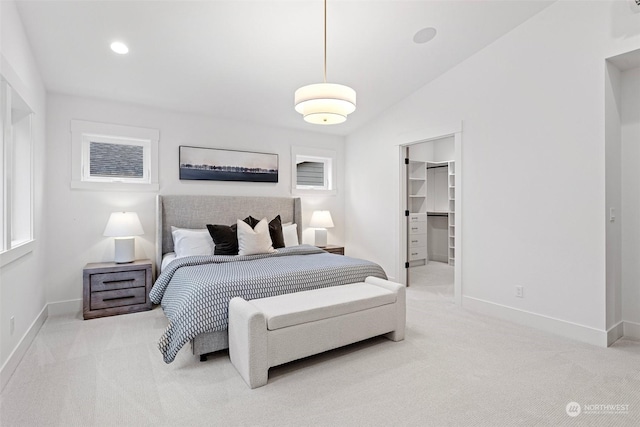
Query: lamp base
321	237
125	250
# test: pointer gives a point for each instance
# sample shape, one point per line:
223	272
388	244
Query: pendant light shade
325	103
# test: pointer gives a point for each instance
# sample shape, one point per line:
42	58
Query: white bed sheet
166	259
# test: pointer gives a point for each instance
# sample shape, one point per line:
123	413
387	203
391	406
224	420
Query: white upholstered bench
271	331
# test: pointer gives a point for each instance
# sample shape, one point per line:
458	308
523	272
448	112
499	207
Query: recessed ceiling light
119	47
424	35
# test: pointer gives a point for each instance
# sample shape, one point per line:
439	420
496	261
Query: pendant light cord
325	41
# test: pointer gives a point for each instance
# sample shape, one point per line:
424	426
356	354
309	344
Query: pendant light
325	103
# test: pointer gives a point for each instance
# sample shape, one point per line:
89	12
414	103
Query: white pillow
290	233
189	242
254	240
166	259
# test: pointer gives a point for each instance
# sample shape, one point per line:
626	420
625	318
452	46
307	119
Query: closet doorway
430	236
622	179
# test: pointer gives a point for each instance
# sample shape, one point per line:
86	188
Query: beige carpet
435	279
454	368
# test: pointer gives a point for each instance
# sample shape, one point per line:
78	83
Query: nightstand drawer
118	298
119	280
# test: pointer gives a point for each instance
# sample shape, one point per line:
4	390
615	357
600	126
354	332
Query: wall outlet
520	291
12	324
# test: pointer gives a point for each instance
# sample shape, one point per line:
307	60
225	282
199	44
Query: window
113	157
16	170
310	173
314	171
115	160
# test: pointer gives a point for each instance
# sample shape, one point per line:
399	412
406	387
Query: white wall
22	282
532	106
421	152
444	149
630	122
77	218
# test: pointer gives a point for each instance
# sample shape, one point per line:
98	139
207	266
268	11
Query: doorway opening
622	197
430	202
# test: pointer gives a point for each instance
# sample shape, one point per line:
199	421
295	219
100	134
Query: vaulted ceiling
243	60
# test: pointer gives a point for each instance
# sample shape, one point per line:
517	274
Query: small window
115	160
313	171
114	156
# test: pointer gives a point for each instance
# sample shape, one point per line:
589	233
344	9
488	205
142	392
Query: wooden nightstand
333	249
110	288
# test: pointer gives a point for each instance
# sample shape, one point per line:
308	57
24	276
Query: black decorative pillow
275	230
225	237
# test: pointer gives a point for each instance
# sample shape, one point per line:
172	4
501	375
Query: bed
194	291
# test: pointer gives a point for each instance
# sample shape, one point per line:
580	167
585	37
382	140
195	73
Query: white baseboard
65	307
18	353
631	330
615	333
548	324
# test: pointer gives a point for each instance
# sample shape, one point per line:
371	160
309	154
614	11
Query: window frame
13	247
327	157
85	132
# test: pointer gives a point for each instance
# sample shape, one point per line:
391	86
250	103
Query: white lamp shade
123	224
325	103
321	219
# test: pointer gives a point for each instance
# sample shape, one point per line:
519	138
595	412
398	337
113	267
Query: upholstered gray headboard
198	211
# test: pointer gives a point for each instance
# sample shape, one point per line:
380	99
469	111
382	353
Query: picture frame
216	164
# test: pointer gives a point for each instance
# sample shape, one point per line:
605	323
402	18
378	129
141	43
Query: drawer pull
106	282
116	298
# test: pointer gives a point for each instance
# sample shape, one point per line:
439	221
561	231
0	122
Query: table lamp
321	220
124	226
